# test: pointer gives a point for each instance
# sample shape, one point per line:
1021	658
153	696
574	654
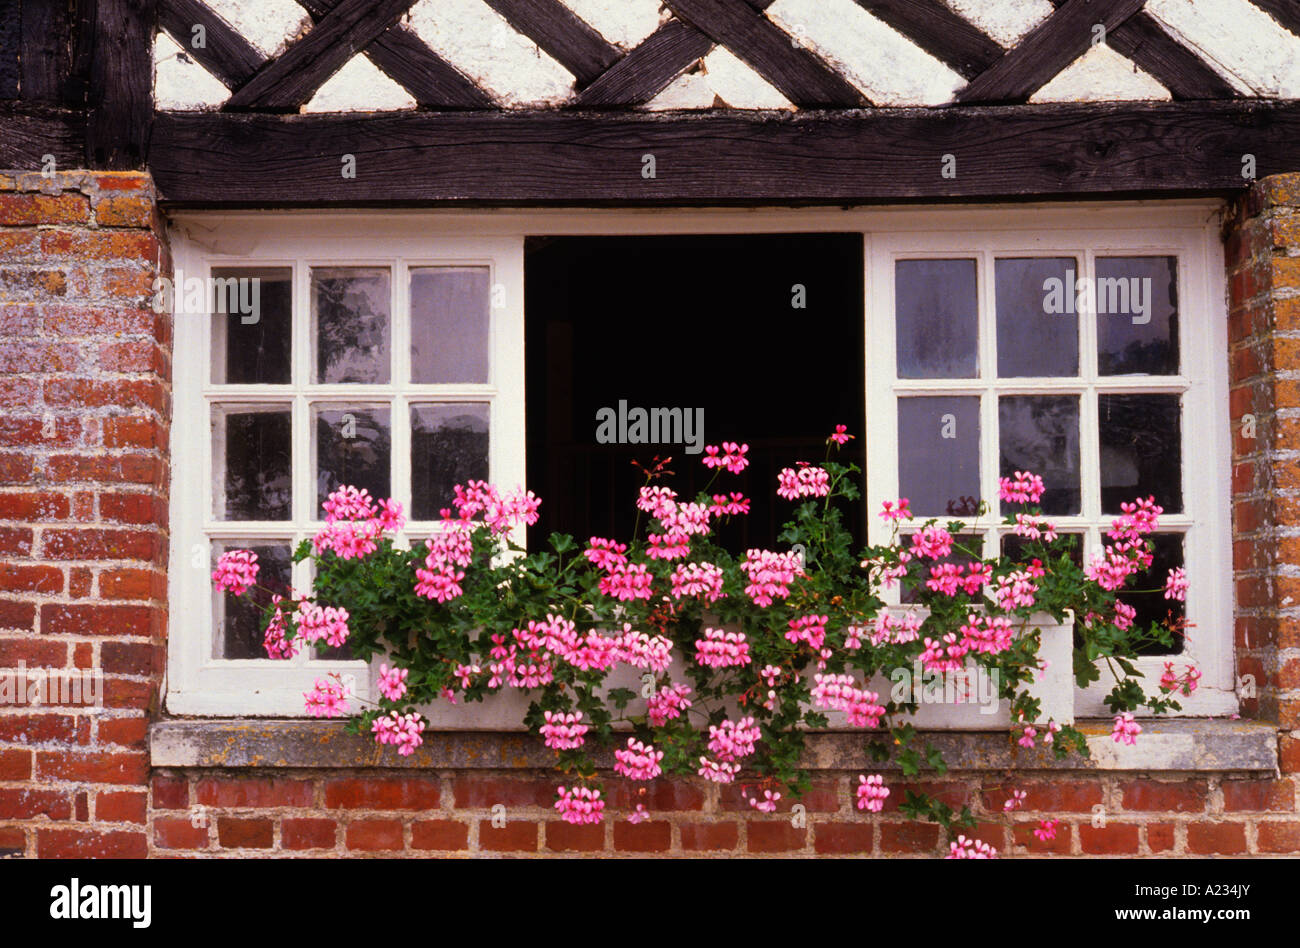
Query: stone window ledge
1171	745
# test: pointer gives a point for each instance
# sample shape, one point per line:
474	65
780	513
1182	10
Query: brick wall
319	813
84	405
84	415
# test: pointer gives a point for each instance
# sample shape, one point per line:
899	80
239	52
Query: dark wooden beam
29	133
565	158
1046	50
45	51
561	34
225	53
11	42
799	75
432	81
290	79
1172	64
648	69
120	99
940	32
1286	12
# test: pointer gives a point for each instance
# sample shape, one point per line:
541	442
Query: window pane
1141	450
1153	606
1137	315
350	322
449	324
353	447
252	325
936	318
939	454
237	620
1017	547
1038	328
449	445
252	452
1040	433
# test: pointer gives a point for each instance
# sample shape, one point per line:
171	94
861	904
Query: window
386	362
388	352
1091	357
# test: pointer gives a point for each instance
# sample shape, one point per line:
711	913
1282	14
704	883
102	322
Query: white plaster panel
180	83
1245	43
624	23
480	43
726	77
359	86
889	68
1098	75
1006	21
267	24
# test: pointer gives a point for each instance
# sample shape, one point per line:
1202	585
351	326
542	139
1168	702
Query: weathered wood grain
648	69
1172	64
120	88
225	53
940	32
561	34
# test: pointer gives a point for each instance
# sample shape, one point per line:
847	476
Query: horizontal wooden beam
863	156
29	133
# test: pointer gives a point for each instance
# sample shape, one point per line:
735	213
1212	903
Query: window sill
1177	745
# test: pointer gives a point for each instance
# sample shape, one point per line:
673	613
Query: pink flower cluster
946	655
718	771
580	805
765	805
947	578
276	641
893	512
627	581
841	693
348	503
966	848
563	731
732	457
872	793
316	623
895	631
328	699
502	512
989	635
667	703
1015	591
1046	830
1186	682
725	505
354	521
1176	584
719	649
450	548
841	435
1031	528
405	731
809	629
605	554
734	740
656	501
639	761
932	542
770	575
392	682
236	571
697	579
1027	488
1126	729
804	482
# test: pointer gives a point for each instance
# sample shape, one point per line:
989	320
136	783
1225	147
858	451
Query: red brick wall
84	407
84	416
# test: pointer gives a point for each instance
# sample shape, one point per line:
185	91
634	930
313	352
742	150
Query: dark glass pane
1137	315
350	320
1036	336
1040	433
1153	606
449	445
449	324
939	454
936	319
252	325
257	482
353	447
238	621
1141	450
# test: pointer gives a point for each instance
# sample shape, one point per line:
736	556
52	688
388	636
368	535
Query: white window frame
199	684
1186	229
